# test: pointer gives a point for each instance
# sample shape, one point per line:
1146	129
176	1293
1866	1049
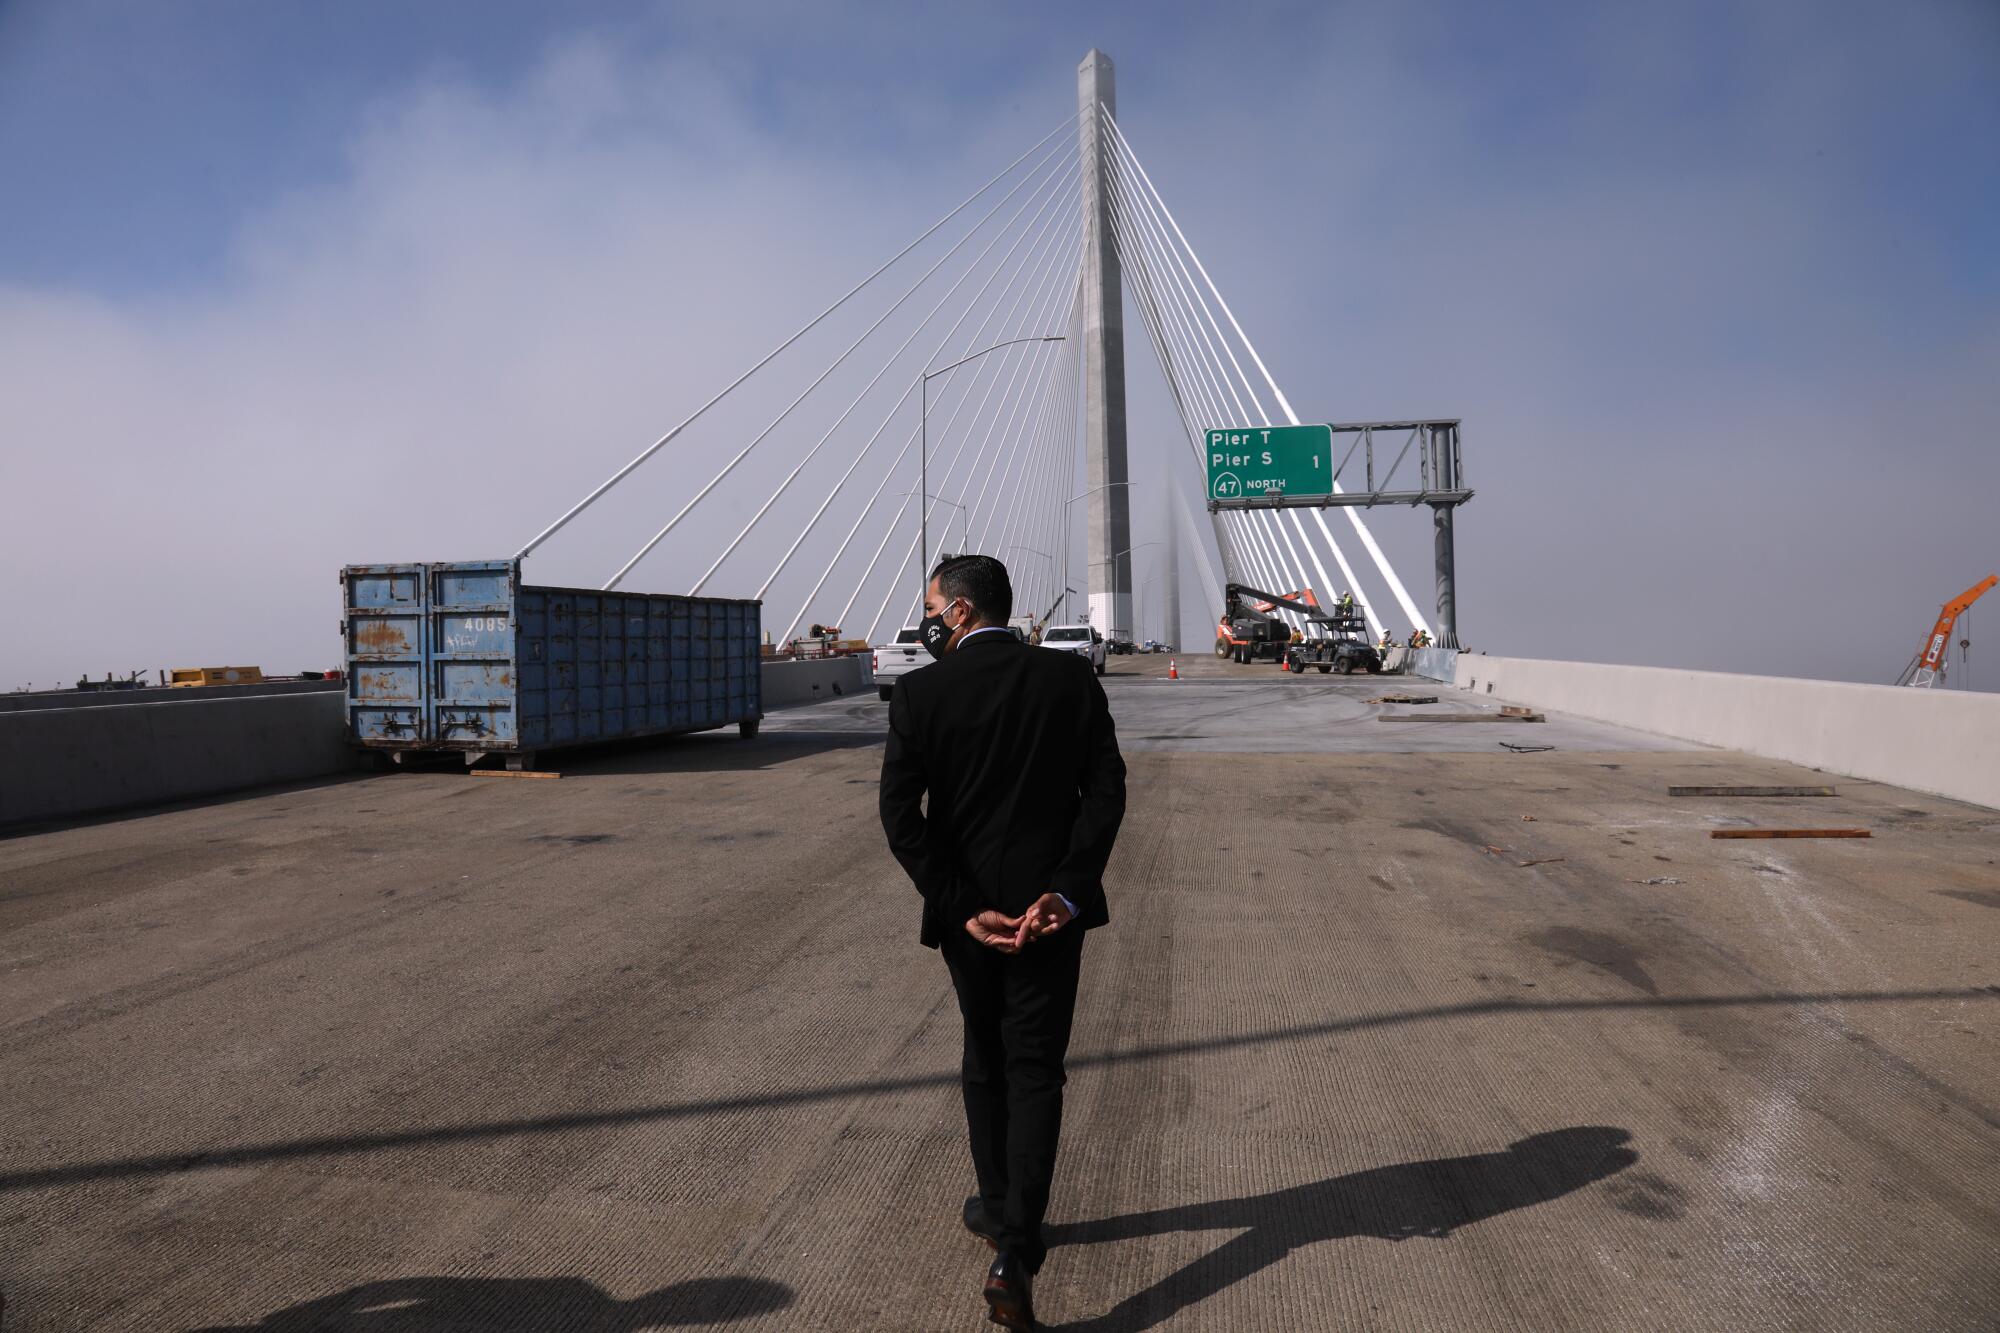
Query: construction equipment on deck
1928	666
1251	629
188	677
1048	617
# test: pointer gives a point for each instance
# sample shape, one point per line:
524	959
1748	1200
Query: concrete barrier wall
788	684
21	703
1946	742
1438	664
58	763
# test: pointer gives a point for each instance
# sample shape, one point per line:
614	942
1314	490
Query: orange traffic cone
1173	669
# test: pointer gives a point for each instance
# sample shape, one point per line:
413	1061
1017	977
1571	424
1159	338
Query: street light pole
1141	597
1016	546
923	478
1137	546
1066	541
924	443
964	512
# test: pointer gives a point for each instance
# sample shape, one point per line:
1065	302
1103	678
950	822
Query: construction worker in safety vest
1347	604
1388	641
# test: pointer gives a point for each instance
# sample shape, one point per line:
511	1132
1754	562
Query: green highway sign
1253	462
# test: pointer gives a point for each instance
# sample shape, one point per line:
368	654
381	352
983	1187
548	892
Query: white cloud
1723	374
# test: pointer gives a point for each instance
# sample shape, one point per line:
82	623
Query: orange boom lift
1929	663
1231	637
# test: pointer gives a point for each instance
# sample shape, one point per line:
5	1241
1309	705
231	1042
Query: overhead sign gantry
1293	467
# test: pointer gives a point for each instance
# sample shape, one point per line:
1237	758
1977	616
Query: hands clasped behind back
1010	934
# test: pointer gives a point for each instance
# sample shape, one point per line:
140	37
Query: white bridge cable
1009	450
1274	533
1354	519
1059	519
1204	384
1272	565
1027	459
1014	458
1290	573
1326	595
888	533
1045	248
948	380
1122	152
1051	187
1253	554
1156	250
1011	406
1188	393
1004	355
778	420
1196	390
1149	314
1054	533
1192	395
1021	513
1006	364
1009	501
775	352
1166	358
1204	390
1184	515
1006	459
1324	581
1025	513
1075	470
1360	598
1055	526
986	368
1257	528
998	539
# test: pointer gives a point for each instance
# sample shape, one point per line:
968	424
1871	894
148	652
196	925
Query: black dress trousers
1017	1011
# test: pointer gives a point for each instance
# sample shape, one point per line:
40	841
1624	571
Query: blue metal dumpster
460	656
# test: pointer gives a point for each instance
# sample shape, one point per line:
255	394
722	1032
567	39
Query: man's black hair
980	580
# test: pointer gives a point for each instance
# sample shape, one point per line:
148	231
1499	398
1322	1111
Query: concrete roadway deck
655	1045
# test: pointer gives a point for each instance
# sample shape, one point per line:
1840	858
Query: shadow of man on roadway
519	1305
1428	1199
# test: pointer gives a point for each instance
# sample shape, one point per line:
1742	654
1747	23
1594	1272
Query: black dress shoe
980	1222
1010	1296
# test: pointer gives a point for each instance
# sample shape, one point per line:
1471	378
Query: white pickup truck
900	658
1082	640
907	653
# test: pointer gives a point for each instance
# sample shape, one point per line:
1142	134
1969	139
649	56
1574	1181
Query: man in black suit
1015	748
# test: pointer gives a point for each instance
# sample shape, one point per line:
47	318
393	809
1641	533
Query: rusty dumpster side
462	656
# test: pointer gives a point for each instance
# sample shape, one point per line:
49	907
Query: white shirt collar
987	629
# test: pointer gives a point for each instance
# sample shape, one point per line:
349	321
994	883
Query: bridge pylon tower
1106	473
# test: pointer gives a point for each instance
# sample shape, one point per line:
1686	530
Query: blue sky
1713	285
148	131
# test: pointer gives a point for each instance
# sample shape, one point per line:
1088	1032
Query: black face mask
935	633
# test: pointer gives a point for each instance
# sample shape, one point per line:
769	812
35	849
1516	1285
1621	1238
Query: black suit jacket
1014	746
